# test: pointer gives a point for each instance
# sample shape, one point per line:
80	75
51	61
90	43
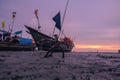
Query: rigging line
64	17
65	12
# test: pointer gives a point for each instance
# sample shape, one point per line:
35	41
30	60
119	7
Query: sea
31	65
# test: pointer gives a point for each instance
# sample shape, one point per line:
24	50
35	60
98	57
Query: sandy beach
75	66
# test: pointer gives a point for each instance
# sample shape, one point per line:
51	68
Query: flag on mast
36	13
57	20
13	14
3	24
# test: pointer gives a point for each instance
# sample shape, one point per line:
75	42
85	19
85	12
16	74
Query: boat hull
4	46
47	45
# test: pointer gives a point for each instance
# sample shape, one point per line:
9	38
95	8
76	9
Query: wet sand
75	66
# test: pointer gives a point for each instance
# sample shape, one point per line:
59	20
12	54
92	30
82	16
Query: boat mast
64	19
36	14
65	12
13	16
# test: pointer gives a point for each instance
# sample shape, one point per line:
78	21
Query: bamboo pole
12	24
13	16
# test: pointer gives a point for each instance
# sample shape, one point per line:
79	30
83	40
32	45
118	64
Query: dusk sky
92	24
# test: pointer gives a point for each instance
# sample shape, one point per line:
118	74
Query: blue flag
57	20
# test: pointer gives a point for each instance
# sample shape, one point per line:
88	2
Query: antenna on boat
64	18
36	14
13	17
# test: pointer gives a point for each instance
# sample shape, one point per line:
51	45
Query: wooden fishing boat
45	42
9	42
16	44
12	42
